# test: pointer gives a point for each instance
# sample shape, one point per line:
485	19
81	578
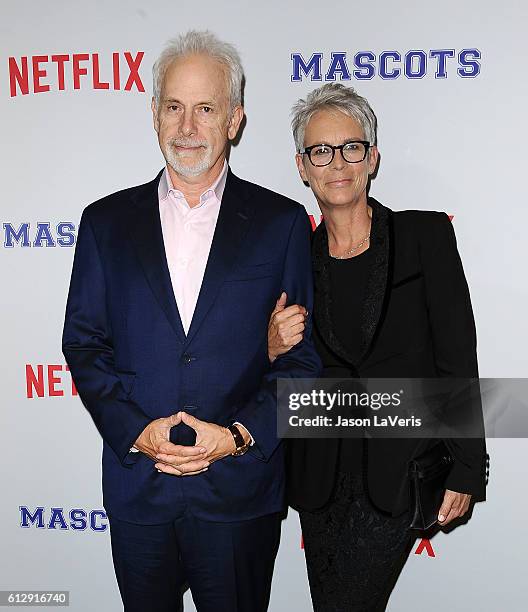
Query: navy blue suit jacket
132	362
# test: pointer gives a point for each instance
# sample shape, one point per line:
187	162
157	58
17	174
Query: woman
391	300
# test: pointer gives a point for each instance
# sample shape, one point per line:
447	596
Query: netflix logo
60	72
49	381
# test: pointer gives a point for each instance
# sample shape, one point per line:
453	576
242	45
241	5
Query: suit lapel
379	274
231	227
147	238
375	292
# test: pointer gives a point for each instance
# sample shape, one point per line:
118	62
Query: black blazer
417	322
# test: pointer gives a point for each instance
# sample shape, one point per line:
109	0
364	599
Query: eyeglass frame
308	151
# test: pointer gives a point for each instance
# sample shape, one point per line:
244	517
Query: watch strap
241	446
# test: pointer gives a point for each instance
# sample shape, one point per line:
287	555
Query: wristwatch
241	446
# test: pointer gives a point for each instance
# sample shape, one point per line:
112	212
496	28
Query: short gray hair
333	96
194	42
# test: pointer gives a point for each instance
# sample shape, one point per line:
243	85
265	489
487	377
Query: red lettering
18	77
54	380
425	545
34	382
77	70
95	74
134	77
313	223
115	64
19	72
450	217
60	60
38	73
73	387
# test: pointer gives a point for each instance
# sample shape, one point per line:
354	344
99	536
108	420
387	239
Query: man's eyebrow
203	103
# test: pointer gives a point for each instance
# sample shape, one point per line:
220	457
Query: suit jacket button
186	358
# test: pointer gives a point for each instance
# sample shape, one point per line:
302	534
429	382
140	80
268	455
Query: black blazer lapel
147	238
380	265
231	227
379	275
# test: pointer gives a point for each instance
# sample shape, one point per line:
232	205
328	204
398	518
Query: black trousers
228	566
354	552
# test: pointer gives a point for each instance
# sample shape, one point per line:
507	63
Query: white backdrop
454	144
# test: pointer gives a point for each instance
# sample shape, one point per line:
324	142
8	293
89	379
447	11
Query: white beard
177	160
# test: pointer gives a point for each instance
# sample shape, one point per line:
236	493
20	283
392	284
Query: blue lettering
43	235
66	233
442	55
384	72
338	65
364	62
17	235
78	519
415	69
469	67
26	517
313	66
94	514
57	516
390	65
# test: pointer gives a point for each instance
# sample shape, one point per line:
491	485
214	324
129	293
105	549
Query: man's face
339	183
194	120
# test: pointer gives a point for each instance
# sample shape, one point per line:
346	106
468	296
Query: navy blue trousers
228	566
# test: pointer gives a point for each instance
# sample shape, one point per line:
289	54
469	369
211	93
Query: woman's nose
338	162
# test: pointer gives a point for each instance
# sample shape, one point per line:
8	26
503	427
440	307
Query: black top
348	282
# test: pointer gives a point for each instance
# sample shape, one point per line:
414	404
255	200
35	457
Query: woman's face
339	184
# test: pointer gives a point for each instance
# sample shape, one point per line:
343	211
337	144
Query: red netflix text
58	72
49	381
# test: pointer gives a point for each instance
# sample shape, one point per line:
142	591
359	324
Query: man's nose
188	125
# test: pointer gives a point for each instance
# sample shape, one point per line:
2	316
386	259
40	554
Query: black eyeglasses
322	154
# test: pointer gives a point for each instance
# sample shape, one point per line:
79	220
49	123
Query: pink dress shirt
187	236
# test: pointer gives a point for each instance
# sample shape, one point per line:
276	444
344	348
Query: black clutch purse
427	476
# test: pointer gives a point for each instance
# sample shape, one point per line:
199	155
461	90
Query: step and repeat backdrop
447	81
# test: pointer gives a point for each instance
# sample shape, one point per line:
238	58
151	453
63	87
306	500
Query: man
172	287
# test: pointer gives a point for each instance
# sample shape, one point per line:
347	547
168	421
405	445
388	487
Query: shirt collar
165	188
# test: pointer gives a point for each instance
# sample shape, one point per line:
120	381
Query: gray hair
194	42
334	96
